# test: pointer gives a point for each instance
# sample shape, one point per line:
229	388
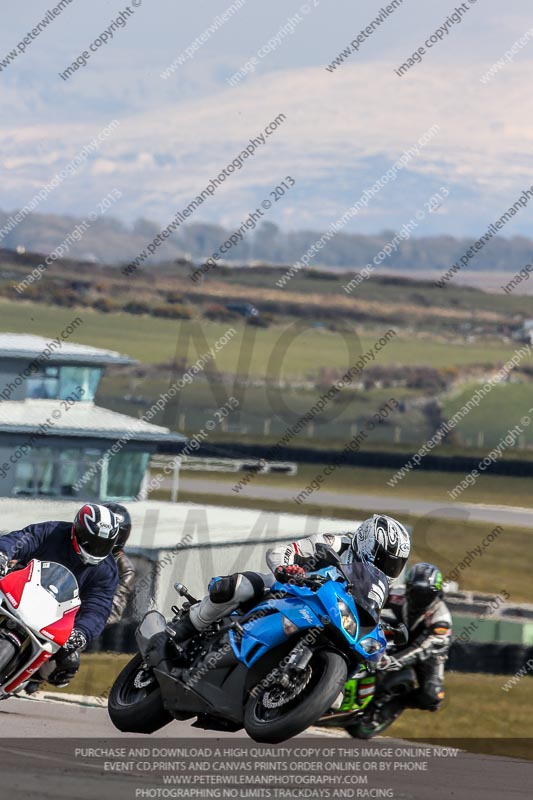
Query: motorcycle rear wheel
136	709
366	728
273	725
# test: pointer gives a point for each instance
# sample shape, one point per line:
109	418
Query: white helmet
383	542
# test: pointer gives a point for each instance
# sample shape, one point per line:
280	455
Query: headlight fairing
370	645
349	622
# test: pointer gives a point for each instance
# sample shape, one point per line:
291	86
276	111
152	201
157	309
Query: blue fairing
306	609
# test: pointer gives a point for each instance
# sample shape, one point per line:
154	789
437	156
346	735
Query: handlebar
313	580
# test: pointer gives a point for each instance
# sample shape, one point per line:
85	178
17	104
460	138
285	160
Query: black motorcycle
391	698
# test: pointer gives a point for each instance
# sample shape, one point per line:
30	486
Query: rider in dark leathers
429	623
126	570
84	547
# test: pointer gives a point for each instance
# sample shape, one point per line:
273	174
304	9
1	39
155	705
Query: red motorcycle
38	605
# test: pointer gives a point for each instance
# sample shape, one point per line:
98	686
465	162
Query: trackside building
54	441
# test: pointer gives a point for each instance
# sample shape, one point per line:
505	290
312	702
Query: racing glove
291	572
389	663
4	564
76	641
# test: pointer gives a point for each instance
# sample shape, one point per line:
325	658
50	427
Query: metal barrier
377	459
172	465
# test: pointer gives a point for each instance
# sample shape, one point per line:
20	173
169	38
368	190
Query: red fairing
13	584
28	672
60	631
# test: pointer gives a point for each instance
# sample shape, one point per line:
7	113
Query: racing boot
183	629
32	686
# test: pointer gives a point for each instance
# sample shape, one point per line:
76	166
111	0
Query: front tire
7	651
265	723
137	708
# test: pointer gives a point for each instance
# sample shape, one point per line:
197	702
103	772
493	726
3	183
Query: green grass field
275	350
96	675
417	289
499	411
475	708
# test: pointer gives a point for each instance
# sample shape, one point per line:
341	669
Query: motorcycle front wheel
135	704
7	651
275	713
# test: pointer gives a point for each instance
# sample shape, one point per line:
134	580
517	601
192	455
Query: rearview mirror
396	633
400	635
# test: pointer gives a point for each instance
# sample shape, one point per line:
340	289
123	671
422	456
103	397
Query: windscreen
152	623
369	588
59	581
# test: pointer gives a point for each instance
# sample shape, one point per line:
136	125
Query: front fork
297	662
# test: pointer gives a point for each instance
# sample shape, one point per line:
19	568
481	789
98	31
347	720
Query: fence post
175	481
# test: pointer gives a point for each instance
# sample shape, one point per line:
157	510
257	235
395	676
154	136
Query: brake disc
143	679
279	696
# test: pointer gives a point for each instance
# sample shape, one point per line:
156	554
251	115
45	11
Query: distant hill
108	240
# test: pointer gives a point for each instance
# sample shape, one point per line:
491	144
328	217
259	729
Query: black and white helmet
94	533
383	542
124	521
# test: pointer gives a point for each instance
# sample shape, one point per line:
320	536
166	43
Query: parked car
245	309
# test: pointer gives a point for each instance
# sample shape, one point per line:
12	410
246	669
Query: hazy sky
343	129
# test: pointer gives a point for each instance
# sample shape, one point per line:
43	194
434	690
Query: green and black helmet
423	585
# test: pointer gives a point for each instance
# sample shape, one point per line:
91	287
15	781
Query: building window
59	383
78	465
72	377
125	472
43	384
34	476
47	472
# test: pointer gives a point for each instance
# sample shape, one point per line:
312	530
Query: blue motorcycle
274	669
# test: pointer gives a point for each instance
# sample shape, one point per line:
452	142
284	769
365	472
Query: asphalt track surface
43	767
473	512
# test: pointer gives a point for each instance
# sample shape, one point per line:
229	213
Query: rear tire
329	672
133	709
364	727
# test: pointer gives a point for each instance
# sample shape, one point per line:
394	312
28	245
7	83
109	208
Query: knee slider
431	696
